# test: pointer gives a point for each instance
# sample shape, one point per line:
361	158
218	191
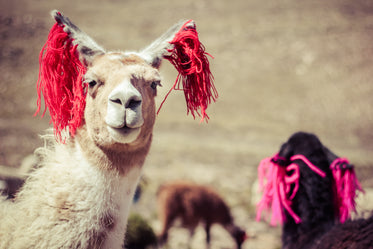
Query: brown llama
195	204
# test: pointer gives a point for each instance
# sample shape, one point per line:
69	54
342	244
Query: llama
194	204
311	191
103	110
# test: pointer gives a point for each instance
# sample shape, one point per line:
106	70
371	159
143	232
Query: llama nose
124	107
127	96
130	102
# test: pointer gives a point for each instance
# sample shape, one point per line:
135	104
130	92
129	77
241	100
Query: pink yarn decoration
277	193
345	188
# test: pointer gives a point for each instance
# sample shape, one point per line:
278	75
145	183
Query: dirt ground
279	67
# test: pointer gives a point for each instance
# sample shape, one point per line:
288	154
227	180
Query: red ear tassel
189	58
60	82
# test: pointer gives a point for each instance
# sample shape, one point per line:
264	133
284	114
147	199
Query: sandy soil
280	67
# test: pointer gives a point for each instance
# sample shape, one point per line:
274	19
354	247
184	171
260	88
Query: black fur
354	234
313	203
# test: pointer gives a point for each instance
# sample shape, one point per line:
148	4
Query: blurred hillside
279	67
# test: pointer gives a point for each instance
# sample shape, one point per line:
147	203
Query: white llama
80	195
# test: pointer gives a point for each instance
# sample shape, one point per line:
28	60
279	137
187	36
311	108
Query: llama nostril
133	103
117	101
125	96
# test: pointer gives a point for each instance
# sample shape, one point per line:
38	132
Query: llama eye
154	84
92	83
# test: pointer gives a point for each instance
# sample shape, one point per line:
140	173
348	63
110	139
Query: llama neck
117	190
123	165
115	204
69	191
117	198
313	203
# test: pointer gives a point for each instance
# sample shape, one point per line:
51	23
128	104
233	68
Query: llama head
343	184
112	93
120	106
238	234
293	181
306	144
315	185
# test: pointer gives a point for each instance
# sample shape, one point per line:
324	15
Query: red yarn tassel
60	82
346	187
189	58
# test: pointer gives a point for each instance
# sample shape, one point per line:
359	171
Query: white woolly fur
72	203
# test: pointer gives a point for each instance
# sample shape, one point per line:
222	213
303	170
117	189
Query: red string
189	58
60	82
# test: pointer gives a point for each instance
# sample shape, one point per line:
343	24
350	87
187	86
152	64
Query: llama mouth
124	134
123	130
127	129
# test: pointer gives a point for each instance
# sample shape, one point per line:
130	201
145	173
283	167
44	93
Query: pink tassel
277	195
195	78
346	187
60	82
276	190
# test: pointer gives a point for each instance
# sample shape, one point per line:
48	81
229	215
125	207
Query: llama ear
88	49
329	155
161	47
286	151
181	46
336	162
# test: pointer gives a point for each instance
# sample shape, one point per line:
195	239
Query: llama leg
163	237
192	230
208	237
